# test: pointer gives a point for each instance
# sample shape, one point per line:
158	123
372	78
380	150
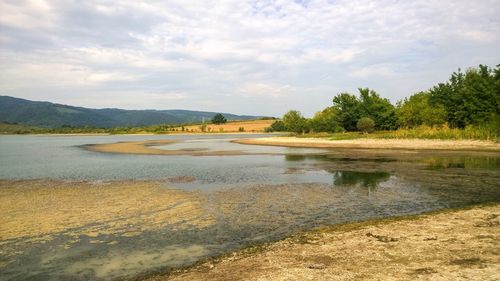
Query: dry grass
252	126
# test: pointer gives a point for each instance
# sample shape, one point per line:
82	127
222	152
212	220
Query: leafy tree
366	125
295	122
472	97
326	121
417	110
348	110
377	108
219	119
276	126
351	108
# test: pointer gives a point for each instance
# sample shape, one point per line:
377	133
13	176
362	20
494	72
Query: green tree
416	110
379	109
366	125
295	122
472	97
351	108
276	126
348	112
219	119
326	121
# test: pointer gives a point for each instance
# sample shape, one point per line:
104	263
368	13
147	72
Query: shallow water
243	199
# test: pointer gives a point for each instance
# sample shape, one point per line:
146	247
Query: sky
241	56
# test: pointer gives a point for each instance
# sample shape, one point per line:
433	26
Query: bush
276	126
295	122
366	125
203	127
241	129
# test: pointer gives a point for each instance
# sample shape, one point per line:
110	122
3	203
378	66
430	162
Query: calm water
268	194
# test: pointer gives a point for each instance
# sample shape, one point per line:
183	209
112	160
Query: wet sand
445	245
145	148
409	144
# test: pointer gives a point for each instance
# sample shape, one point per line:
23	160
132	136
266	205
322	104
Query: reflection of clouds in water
127	229
225	145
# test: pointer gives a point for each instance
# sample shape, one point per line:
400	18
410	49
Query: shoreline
145	134
144	148
443	244
400	144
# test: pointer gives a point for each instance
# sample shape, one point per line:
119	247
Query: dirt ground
449	245
376	143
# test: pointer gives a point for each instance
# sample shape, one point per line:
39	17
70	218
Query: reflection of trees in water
295	157
465	162
368	179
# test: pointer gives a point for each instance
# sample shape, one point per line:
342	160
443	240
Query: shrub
295	122
366	125
203	127
276	126
241	129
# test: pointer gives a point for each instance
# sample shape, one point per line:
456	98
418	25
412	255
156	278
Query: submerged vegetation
467	106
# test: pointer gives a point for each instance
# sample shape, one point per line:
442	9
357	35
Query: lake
115	216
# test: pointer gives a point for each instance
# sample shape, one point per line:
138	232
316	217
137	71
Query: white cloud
238	49
265	90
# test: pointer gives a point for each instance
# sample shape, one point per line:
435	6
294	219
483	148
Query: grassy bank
421	132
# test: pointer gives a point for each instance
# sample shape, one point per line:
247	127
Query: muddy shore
444	245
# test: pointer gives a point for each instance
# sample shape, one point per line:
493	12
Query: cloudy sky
246	57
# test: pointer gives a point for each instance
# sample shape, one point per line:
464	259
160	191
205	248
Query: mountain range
52	115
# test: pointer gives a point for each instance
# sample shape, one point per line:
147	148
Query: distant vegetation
57	116
219	119
467	106
258	125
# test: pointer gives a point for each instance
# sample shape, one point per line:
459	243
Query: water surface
264	195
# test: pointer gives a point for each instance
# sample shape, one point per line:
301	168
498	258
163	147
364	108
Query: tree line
470	98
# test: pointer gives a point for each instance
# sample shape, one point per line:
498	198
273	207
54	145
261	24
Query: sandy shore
376	143
145	148
449	245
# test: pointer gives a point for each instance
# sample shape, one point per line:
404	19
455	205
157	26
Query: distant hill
47	114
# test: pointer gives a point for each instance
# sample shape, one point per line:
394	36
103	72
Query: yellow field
233	126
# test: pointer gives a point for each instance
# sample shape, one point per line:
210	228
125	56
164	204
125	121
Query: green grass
444	133
489	133
20	129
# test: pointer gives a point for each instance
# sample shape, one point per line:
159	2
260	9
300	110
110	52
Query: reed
484	132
